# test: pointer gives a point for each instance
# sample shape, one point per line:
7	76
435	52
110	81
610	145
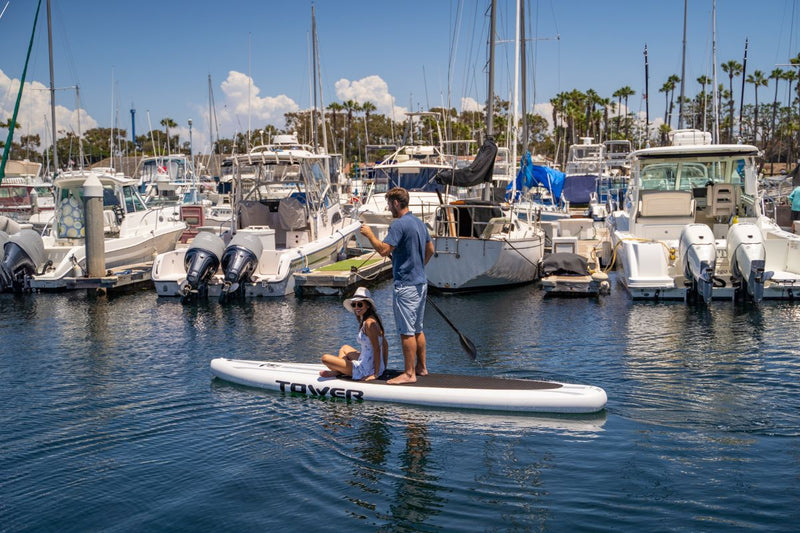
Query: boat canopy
530	176
479	171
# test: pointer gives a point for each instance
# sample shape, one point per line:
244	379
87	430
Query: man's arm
428	251
381	247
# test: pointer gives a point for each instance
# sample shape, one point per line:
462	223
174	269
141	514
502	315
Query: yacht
692	226
287	219
23	192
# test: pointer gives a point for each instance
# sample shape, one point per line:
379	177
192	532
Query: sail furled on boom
479	171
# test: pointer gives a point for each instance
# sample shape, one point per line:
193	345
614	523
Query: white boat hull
434	390
465	263
274	275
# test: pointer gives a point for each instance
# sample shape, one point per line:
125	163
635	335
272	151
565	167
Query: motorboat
586	162
23	192
133	233
692	226
287	219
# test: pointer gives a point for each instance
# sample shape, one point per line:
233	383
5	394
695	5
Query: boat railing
469	220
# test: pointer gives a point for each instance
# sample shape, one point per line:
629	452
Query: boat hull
434	390
469	264
272	278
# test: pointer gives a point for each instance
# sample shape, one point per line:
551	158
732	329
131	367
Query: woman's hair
399	194
370	312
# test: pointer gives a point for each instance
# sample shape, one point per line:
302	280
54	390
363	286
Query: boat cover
531	175
479	171
564	264
578	189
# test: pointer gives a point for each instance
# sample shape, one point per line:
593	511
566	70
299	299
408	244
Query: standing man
411	248
794	199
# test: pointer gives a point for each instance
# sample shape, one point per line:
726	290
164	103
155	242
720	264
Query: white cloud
34	111
261	110
370	89
470	104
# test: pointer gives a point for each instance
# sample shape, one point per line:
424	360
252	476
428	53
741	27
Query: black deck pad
453	381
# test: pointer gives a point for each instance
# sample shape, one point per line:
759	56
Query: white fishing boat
23	192
133	233
290	219
693	227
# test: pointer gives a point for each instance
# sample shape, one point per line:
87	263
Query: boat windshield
688	175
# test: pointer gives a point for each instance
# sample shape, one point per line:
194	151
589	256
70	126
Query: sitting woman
364	364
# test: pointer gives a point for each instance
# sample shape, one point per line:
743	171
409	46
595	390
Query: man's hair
399	194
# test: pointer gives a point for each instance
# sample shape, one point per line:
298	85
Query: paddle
465	342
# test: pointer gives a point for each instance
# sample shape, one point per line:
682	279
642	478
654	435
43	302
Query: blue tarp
531	175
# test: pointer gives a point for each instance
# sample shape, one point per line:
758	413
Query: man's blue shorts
409	308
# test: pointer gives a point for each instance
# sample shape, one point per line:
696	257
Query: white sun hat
361	295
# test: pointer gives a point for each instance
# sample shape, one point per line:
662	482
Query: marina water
112	421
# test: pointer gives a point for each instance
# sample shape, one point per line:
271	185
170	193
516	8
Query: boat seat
110	225
722	199
494	226
666	207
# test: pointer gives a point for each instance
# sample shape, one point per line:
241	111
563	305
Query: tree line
773	124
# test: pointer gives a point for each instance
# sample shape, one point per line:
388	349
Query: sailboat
478	245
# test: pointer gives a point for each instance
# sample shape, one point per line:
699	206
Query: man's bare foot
328	373
422	371
402	378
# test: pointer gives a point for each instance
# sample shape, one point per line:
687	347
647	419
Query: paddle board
436	390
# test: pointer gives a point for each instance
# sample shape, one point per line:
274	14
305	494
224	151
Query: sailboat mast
314	124
715	133
683	67
515	92
490	91
646	98
52	89
523	73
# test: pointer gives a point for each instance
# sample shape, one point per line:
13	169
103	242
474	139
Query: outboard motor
747	255
698	252
240	261
23	255
201	261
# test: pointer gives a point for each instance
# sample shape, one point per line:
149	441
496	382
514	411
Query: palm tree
733	68
703	81
351	106
777	75
168	123
666	88
618	95
335	107
626	93
757	79
673	81
367	107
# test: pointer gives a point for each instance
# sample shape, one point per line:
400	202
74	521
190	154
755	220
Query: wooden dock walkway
342	278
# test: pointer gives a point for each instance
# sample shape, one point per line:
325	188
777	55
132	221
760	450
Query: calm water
111	419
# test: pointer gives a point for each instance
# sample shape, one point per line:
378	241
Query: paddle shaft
467	344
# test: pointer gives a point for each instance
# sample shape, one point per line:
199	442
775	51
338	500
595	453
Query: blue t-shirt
795	199
408	235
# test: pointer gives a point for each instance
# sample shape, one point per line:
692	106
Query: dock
342	278
128	277
582	275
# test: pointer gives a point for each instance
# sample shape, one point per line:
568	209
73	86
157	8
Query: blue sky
157	56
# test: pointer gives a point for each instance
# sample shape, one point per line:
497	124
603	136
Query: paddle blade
468	347
465	342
